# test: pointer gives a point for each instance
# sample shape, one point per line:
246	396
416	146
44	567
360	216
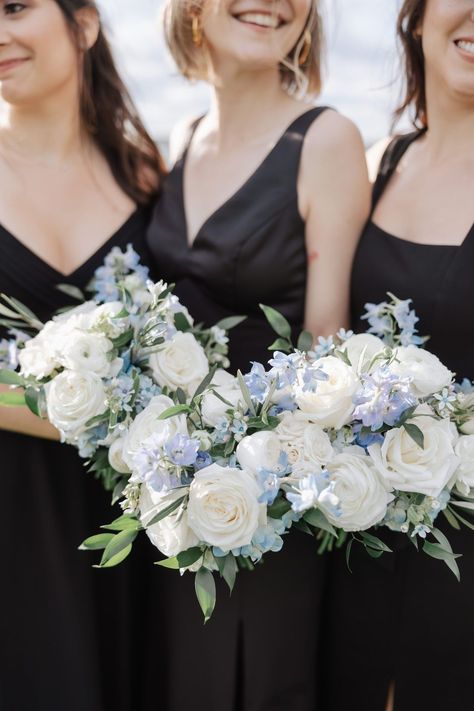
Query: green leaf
229	572
118	490
116	546
436	551
122	340
316	518
205	587
281	344
464	521
205	383
305	341
181	396
165	512
9	377
415	433
96	543
468	505
374	542
277	321
279	508
116	559
9	313
451	519
227	324
124	523
71	291
182	560
442	540
181	322
245	392
32	400
23	311
12	399
348	554
302	526
173	411
372	552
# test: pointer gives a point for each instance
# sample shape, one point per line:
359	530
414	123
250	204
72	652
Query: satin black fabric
259	651
66	631
405	617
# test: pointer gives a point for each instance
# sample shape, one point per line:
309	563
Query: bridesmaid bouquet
94	368
360	432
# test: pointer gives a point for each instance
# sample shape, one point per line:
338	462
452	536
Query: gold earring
196	30
306	48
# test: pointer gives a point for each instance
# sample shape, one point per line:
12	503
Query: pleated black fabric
65	628
405	617
259	651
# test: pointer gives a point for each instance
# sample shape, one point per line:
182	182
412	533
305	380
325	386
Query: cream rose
362	494
116	459
427	372
331	405
361	350
172	535
37	359
223	509
307	445
147	423
258	451
405	466
87	352
73	399
464	475
180	363
212	408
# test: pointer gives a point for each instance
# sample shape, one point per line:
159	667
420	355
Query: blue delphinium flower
269	479
150	468
222	432
311	491
285	368
147	390
382	399
89	440
344	335
324	347
203	460
258	382
182	450
366	439
121	393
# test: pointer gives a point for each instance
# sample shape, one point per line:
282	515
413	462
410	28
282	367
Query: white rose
428	374
172	534
331	405
361	350
87	352
307	445
212	408
116	459
180	363
464	475
223	508
258	451
407	467
73	399
147	423
37	360
363	496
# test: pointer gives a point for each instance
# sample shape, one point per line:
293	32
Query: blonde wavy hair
298	78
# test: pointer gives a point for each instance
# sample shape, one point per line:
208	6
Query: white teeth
466	46
255	18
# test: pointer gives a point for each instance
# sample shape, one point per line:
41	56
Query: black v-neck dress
405	617
258	652
65	628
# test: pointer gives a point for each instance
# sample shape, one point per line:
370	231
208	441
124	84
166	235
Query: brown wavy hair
409	20
109	115
192	61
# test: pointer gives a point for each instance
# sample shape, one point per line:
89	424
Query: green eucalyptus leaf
374	542
9	377
12	399
227	324
205	587
174	411
205	383
451	519
32	400
436	551
277	321
281	344
166	511
182	560
120	542
124	523
245	392
305	341
316	518
348	554
73	291
230	571
415	433
96	543
181	322
117	558
279	508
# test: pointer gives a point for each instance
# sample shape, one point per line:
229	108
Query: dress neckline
103	248
412	243
244	185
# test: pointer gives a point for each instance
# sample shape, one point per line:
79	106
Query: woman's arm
22	420
334	200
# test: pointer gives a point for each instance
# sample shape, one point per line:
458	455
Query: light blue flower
147	390
258	382
420	530
324	347
203	460
311	491
446	398
182	450
382	399
344	335
285	368
269	480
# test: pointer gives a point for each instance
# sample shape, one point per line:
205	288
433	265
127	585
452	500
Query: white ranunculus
116	459
147	423
331	405
212	408
180	363
464	474
407	467
37	360
172	534
87	352
361	350
427	372
308	447
223	508
362	494
73	399
258	451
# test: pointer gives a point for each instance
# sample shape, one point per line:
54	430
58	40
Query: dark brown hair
409	21
109	115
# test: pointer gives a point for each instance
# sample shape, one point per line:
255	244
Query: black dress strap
390	159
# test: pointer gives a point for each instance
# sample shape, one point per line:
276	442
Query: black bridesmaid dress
258	652
65	628
405	618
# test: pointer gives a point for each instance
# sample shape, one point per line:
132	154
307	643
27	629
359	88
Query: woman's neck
245	106
451	124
